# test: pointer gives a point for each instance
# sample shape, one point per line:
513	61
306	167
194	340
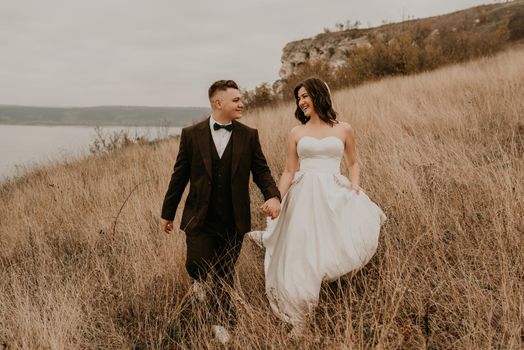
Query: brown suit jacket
194	165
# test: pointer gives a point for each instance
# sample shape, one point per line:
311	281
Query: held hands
271	207
167	225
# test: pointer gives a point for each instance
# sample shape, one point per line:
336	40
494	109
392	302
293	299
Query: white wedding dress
324	231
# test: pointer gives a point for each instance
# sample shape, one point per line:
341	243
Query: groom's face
231	105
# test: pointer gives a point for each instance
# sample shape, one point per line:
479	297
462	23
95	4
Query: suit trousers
214	252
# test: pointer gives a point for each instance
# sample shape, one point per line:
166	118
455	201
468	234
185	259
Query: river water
25	146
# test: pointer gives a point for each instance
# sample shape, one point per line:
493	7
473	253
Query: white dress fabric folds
324	231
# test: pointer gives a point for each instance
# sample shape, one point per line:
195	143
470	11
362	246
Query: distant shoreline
100	125
25	147
103	116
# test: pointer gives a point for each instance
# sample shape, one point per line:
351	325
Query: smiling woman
328	226
313	96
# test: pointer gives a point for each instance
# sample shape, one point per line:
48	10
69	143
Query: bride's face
305	103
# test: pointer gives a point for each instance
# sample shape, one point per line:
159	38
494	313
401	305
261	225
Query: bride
327	226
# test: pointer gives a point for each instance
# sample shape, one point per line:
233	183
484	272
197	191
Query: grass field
84	264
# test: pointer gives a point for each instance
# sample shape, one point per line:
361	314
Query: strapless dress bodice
320	155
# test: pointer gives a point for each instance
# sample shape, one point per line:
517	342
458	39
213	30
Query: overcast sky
165	52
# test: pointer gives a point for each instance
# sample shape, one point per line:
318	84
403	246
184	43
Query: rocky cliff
335	47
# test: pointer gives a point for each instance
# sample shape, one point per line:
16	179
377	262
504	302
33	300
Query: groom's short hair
221	85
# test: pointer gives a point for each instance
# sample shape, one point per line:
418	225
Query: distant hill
102	115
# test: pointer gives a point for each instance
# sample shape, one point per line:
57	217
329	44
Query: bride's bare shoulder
295	134
346	132
346	129
344	126
295	131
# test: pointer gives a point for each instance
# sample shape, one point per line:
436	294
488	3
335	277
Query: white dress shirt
220	137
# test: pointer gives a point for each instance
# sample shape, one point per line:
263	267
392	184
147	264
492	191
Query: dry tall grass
84	264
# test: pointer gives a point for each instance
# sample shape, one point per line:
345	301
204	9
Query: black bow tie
228	127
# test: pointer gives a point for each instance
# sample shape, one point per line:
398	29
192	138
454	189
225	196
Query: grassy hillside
101	116
84	265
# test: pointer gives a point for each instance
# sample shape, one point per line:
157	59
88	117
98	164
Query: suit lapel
238	138
204	144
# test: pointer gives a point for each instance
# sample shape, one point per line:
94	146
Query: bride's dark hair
318	90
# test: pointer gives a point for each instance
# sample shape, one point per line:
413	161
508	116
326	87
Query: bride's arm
292	163
351	158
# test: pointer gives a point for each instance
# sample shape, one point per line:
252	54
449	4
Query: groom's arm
179	179
261	172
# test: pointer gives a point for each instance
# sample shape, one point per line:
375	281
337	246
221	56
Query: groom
216	157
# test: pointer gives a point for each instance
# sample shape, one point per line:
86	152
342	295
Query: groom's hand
271	207
167	225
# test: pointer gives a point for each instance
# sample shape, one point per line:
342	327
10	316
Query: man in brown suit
216	157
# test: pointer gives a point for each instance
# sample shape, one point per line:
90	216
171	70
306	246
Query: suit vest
220	214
